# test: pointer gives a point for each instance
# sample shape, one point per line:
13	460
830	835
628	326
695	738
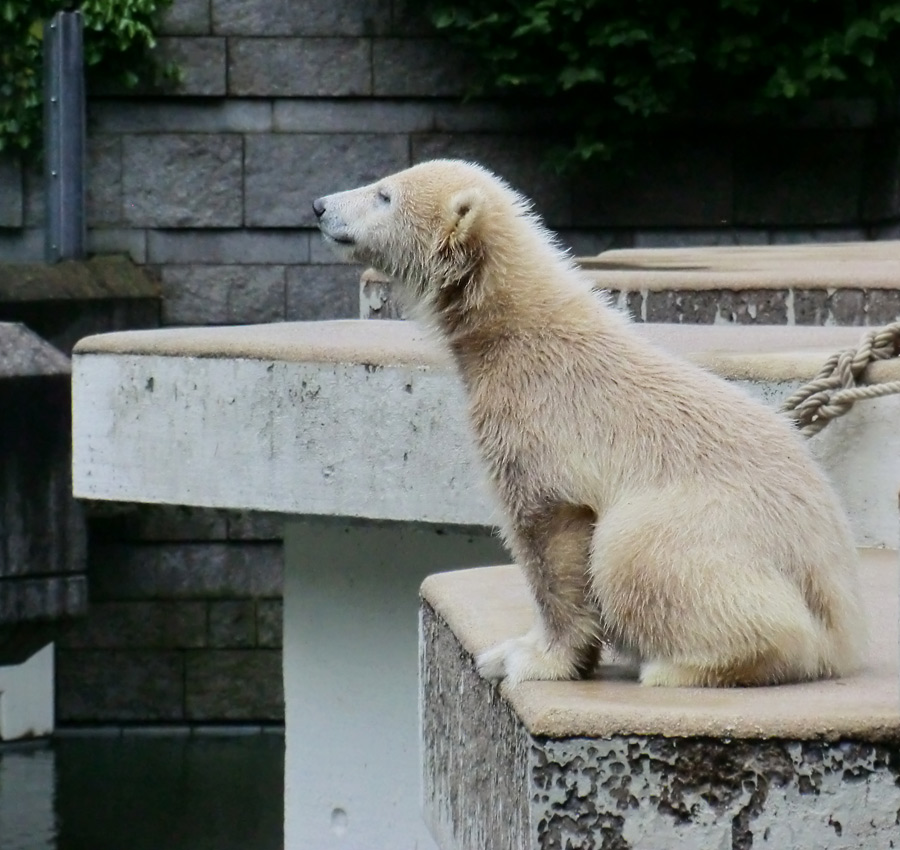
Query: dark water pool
143	792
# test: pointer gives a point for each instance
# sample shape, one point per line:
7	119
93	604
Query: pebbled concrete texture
667	794
490	783
475	751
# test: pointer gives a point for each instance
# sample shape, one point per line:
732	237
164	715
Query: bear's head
434	227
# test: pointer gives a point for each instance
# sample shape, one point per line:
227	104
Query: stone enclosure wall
209	188
184	624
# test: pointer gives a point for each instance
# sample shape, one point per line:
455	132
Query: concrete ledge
606	763
759	353
367	419
484	606
68	300
855	283
26	697
25	354
846	265
79	280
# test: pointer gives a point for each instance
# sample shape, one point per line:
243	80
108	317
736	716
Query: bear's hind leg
760	671
683	586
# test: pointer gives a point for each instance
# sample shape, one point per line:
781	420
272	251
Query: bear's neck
521	282
512	307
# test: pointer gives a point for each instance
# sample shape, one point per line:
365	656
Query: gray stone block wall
281	102
184	623
209	185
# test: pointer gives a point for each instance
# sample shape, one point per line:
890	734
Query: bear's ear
465	210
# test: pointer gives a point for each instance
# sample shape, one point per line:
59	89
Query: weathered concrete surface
367	419
607	764
850	265
485	606
352	761
82	280
26	699
475	751
675	303
24	354
66	301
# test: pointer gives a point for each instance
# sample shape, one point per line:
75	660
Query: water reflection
27	820
139	792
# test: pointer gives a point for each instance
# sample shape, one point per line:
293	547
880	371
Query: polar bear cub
653	507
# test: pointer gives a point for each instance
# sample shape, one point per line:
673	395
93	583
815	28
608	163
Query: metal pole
64	137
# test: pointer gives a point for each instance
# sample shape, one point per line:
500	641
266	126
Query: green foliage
117	37
616	67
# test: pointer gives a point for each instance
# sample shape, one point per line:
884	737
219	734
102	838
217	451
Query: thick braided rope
832	392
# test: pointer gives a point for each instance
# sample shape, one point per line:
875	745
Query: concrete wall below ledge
607	765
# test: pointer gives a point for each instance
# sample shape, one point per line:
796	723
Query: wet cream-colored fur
652	506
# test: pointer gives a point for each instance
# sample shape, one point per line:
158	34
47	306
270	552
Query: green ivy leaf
613	68
117	38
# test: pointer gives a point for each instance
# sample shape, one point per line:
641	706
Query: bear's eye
384	196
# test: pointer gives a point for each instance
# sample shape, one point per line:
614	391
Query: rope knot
832	392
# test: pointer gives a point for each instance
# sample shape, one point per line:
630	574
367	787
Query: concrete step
853	283
605	763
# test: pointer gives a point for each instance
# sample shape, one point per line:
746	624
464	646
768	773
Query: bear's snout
330	221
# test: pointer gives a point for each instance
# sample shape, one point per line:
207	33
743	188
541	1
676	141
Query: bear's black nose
318	207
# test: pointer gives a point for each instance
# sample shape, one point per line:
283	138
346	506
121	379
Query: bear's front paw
492	662
524	659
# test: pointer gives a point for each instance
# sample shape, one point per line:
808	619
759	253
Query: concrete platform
356	432
26	696
839	265
607	763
